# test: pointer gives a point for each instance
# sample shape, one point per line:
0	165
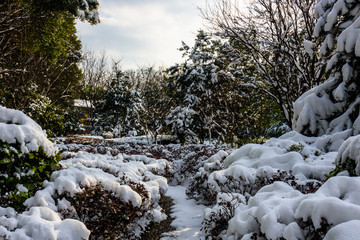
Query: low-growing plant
200	189
21	174
347	165
296	148
104	214
216	221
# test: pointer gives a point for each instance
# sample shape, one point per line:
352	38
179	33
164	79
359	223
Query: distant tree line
236	84
209	96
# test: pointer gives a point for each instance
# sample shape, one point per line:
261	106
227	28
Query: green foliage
27	169
347	165
85	10
39	72
237	109
296	148
119	111
48	115
72	122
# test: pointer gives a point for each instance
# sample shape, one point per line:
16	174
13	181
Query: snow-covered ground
187	213
278	190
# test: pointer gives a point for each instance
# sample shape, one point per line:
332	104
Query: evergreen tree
118	113
334	105
216	84
155	102
194	82
40	49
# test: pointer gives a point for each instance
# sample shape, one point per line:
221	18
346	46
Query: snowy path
187	214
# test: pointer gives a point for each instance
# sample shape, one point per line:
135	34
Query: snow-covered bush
279	190
106	215
334	105
27	157
277	211
277	130
348	158
290	159
216	219
47	114
106	191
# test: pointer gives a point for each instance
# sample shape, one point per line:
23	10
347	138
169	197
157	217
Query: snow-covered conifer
119	110
334	105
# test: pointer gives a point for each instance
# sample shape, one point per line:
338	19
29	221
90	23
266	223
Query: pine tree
195	83
119	111
216	84
334	105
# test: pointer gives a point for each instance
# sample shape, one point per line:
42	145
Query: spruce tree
334	105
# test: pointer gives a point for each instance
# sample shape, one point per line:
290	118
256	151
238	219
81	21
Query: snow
40	223
83	103
16	127
346	231
260	189
188	215
309	47
350	150
349	39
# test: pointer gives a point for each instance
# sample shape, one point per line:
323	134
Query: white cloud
143	32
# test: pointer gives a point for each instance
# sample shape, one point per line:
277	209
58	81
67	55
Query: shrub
216	219
105	215
47	114
22	174
27	157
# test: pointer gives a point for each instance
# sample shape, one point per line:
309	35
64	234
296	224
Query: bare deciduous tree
273	31
13	18
96	77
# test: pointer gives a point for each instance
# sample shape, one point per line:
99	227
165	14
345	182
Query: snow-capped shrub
40	223
27	157
246	170
283	191
45	112
348	158
216	219
103	191
279	212
105	215
194	157
277	130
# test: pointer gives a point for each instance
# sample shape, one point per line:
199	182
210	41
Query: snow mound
279	190
345	231
349	155
17	128
40	223
279	211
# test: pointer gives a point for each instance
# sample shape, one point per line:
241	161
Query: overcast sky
143	32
